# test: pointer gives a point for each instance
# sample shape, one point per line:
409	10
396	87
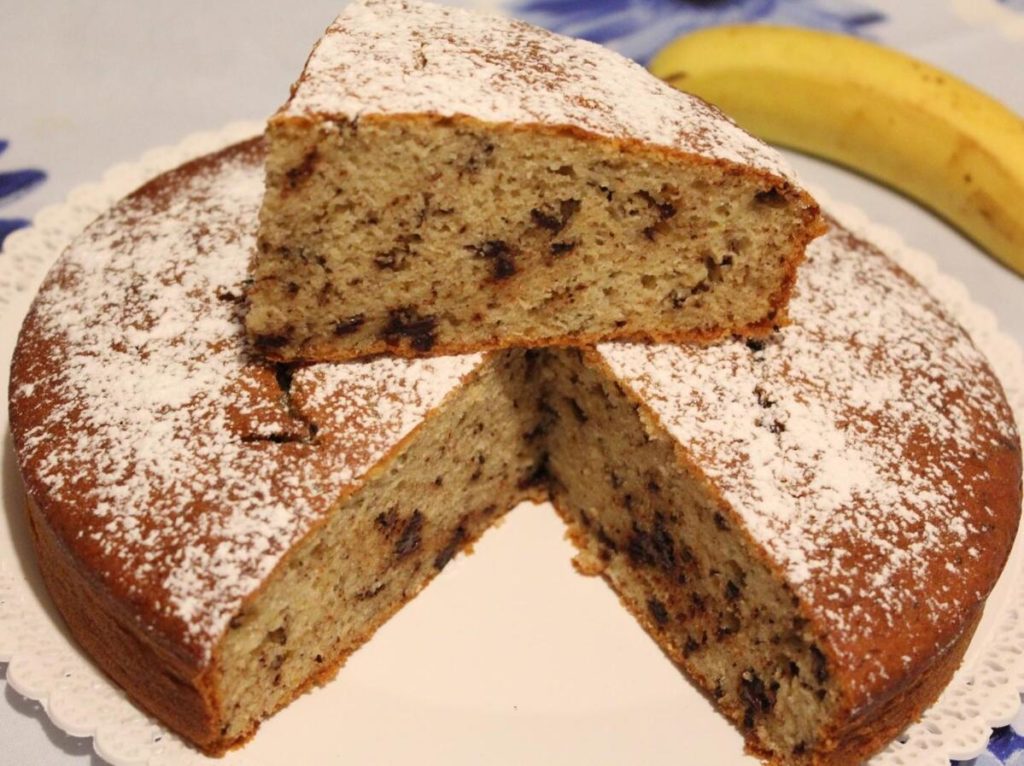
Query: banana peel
882	113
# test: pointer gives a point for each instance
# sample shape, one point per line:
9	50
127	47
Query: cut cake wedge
442	181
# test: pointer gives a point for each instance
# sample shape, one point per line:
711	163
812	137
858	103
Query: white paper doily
45	665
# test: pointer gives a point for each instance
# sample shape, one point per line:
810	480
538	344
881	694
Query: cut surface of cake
443	181
781	515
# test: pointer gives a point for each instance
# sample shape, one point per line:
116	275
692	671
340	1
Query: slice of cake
808	524
443	181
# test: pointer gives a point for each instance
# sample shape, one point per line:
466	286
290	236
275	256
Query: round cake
809	524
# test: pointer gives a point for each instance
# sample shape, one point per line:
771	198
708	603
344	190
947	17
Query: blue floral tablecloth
980	40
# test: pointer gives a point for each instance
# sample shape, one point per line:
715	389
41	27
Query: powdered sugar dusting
849	443
407	57
200	471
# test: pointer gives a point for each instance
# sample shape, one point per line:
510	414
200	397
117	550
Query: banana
882	113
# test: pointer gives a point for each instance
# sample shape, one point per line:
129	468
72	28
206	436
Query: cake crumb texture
442	182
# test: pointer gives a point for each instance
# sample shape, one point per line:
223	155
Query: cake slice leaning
443	181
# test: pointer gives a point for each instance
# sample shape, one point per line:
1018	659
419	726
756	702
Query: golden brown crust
157	680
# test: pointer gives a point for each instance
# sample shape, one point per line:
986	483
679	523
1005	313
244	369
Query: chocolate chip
278	636
349	325
771	197
395	259
409	540
454	543
658	611
228	297
720	522
665	210
368	593
578	411
271	341
690	647
303	170
385	520
732	591
500	255
757	697
538	476
545	221
819	664
605	540
405	322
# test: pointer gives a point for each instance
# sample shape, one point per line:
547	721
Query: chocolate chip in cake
264	342
370	592
657	611
562	248
296	175
409	540
605	540
771	197
385	521
820	664
545	220
538	476
757	697
451	548
665	210
349	325
690	646
395	259
720	522
406	323
501	256
278	636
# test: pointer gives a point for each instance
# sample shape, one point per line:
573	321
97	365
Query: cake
808	524
442	181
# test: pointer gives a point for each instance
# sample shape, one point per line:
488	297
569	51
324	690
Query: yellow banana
882	113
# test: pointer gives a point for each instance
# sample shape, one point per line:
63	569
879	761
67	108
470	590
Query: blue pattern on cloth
13	184
1005	748
639	28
